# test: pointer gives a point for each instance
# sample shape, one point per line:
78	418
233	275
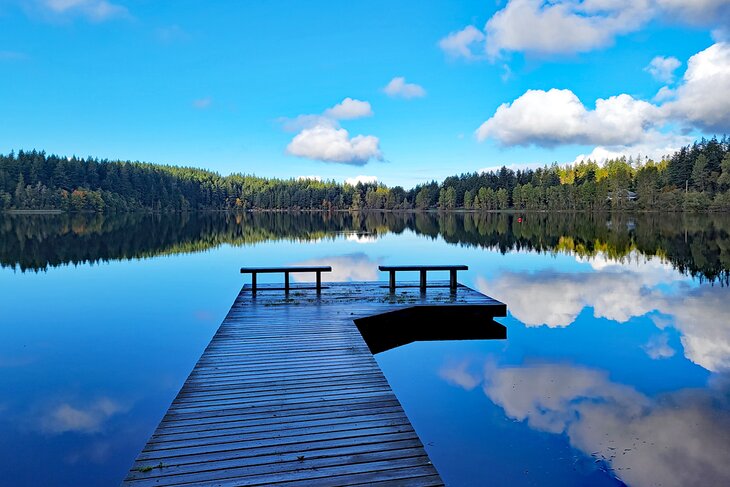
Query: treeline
695	244
695	178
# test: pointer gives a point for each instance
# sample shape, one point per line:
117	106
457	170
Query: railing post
452	279
286	281
423	280
392	281
253	282
319	281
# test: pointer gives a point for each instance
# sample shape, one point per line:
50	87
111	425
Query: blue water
614	371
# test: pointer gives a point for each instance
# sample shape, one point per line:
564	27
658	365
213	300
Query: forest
695	178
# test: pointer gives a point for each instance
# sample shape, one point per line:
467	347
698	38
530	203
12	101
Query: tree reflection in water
698	245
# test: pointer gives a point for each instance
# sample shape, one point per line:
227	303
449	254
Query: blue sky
245	86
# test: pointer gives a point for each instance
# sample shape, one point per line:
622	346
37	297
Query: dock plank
289	393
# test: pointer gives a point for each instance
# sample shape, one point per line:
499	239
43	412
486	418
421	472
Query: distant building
625	194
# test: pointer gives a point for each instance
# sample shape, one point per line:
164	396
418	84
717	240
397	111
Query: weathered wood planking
288	392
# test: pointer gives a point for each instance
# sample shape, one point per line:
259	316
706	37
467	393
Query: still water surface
615	370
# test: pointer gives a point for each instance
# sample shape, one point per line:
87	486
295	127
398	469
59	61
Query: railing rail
423	270
254	271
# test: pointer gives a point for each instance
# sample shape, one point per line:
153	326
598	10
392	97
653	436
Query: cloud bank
559	27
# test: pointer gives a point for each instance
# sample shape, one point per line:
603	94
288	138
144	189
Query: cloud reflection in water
349	267
619	292
674	439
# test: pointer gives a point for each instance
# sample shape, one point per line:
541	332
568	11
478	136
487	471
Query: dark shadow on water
393	329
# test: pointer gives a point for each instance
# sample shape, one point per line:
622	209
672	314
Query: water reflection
698	245
89	418
674	439
350	267
615	370
619	292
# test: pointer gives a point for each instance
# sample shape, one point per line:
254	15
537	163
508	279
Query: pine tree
699	173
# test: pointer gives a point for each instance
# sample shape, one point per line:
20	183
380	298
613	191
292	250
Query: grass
149	468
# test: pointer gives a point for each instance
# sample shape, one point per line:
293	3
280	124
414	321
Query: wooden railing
254	271
423	269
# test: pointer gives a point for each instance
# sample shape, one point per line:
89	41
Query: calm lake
615	370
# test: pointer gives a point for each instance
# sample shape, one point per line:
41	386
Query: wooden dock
288	391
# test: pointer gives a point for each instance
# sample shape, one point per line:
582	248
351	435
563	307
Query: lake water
615	369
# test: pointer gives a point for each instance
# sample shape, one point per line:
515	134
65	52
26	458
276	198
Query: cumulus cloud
622	124
662	68
349	109
327	143
398	88
697	12
567	26
94	10
553	117
665	93
322	138
349	267
465	43
361	179
703	97
562	26
683	434
654	145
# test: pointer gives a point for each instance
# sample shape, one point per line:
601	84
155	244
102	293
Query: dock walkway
288	391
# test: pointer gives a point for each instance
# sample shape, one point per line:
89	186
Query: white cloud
654	145
553	117
321	138
349	109
94	10
397	87
703	97
203	103
665	93
562	26
345	268
361	179
697	12
463	43
568	26
622	124
514	167
662	68
327	143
